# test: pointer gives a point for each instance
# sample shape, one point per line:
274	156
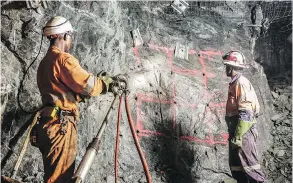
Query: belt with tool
56	111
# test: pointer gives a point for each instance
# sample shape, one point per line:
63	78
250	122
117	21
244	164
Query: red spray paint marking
148	133
207	94
191	52
214	106
204	71
170	57
203	65
225	136
162	48
210	53
136	53
186	71
195	139
211	133
218	111
217	105
139	124
173	106
189	72
221	142
148	99
204	141
179	70
221	111
169	52
187	105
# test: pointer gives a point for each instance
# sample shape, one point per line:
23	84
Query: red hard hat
235	59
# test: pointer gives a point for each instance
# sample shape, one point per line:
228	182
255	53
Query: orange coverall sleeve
78	79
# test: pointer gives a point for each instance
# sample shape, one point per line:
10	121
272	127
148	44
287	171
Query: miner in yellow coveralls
241	111
62	83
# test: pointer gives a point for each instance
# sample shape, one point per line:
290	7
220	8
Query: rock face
278	157
178	104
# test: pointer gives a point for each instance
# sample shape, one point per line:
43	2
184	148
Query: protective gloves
107	80
241	128
114	84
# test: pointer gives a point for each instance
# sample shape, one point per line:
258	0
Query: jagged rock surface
103	42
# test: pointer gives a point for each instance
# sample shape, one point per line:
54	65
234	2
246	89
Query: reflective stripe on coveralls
247	168
90	85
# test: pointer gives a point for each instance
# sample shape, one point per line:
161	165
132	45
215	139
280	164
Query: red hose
117	140
141	155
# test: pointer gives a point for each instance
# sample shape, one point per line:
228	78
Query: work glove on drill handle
114	84
106	79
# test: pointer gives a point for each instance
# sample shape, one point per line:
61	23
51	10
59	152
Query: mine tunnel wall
178	104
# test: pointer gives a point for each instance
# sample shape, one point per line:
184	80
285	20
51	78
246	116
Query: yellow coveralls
61	81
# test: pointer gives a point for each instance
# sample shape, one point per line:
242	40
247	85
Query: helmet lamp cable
20	88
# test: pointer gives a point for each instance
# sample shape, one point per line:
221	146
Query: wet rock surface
178	105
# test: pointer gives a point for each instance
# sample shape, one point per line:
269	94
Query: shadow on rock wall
173	159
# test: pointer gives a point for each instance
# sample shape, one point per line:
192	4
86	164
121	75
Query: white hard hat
57	25
235	59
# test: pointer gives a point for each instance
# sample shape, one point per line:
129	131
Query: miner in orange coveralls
62	83
241	111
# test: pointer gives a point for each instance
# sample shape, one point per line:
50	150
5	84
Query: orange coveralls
242	104
241	97
61	81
